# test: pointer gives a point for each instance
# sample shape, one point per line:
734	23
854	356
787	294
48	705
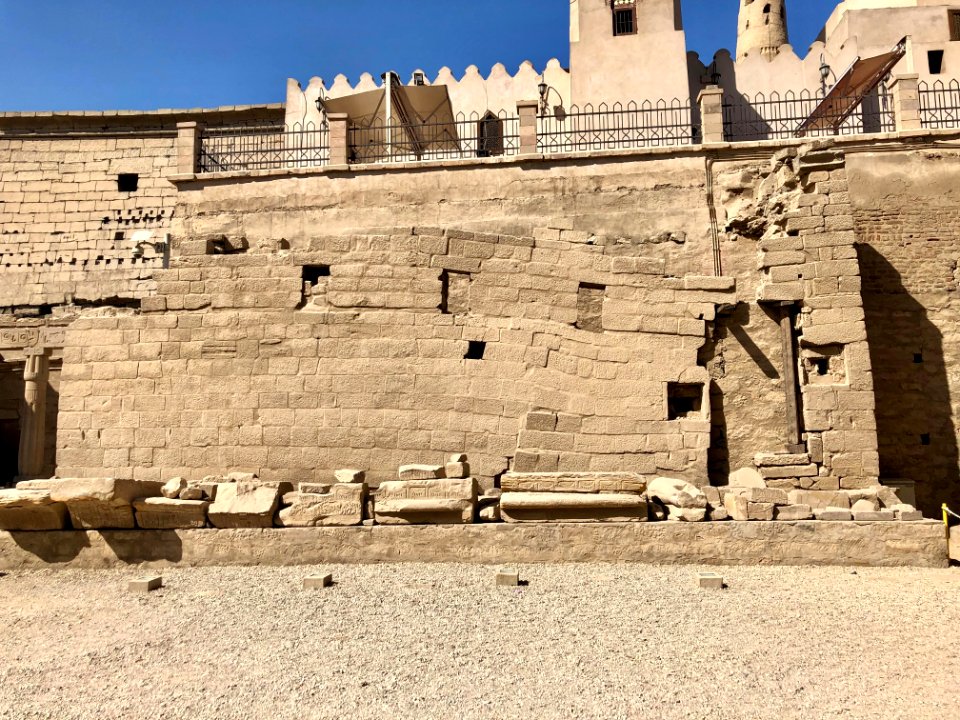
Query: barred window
624	17
954	24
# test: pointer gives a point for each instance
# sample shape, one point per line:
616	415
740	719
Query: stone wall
908	230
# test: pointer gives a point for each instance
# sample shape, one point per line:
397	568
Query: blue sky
145	54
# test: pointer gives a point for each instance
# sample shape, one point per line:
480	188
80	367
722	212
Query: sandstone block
30	510
457	470
163	513
100	503
906	513
861	506
954	543
421	472
678	493
832	514
318	581
540	507
677	514
172	488
746	478
888	496
874	516
736	507
781	460
490	513
790	471
794	512
760	511
239	505
342	506
145	584
574	482
311	488
349	476
820	499
191	493
710	581
766	495
426	502
508	578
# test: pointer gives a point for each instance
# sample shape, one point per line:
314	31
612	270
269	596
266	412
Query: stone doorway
11	395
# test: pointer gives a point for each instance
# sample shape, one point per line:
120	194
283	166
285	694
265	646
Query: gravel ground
440	641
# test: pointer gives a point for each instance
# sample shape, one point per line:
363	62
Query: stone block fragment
191	493
426	502
456	470
316	582
508	578
888	496
819	499
30	510
710	581
145	584
874	516
746	478
349	476
543	507
421	472
760	511
789	471
832	514
677	514
766	495
906	513
574	482
861	506
342	506
780	459
100	503
240	505
794	512
490	513
162	513
172	488
311	488
678	493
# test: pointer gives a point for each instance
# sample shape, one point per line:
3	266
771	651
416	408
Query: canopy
856	83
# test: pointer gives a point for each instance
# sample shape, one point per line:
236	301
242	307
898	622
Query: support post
906	102
790	385
33	424
188	148
527	109
711	114
339	138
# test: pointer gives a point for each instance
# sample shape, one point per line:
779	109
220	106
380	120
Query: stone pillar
527	109
711	114
339	138
188	148
906	102
33	424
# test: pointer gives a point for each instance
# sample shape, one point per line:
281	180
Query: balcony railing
264	147
780	117
464	137
617	127
940	105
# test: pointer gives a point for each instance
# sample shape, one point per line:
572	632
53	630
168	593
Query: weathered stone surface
30	510
906	513
766	495
888	496
819	499
426	502
240	505
191	493
781	460
540	507
954	548
95	503
761	511
574	482
832	514
421	472
864	506
456	470
163	513
677	514
874	516
343	505
790	471
350	476
793	512
173	487
678	493
145	584
710	581
315	582
777	543
746	478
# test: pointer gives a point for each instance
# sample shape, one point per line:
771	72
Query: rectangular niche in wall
685	400
454	292
824	365
590	307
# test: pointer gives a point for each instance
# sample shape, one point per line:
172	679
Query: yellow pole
946	521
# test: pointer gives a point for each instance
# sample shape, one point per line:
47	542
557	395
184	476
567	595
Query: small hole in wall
917	358
313	273
475	350
684	400
925	439
127	182
821	365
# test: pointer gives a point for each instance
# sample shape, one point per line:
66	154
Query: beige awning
850	90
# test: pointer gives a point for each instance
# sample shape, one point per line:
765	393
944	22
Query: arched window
489	136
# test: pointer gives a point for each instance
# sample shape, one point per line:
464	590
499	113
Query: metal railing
617	127
939	104
463	137
780	117
264	147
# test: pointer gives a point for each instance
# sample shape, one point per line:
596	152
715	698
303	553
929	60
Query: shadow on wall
915	424
129	546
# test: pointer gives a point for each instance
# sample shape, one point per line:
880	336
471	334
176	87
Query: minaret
762	29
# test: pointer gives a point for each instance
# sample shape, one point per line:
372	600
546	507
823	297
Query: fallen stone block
746	478
101	503
421	472
761	511
766	495
172	488
456	470
832	514
888	497
781	460
491	513
191	493
710	581
508	578
517	507
787	484
819	499
316	582
874	516
22	509
342	506
677	514
145	584
907	513
312	488
574	482
243	505
794	512
426	502
790	471
350	476
678	493
163	513
861	506
736	506
240	477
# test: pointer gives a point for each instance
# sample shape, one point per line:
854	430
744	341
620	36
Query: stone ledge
893	544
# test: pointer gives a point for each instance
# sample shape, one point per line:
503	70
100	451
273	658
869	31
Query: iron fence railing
617	127
463	137
780	117
940	104
264	147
